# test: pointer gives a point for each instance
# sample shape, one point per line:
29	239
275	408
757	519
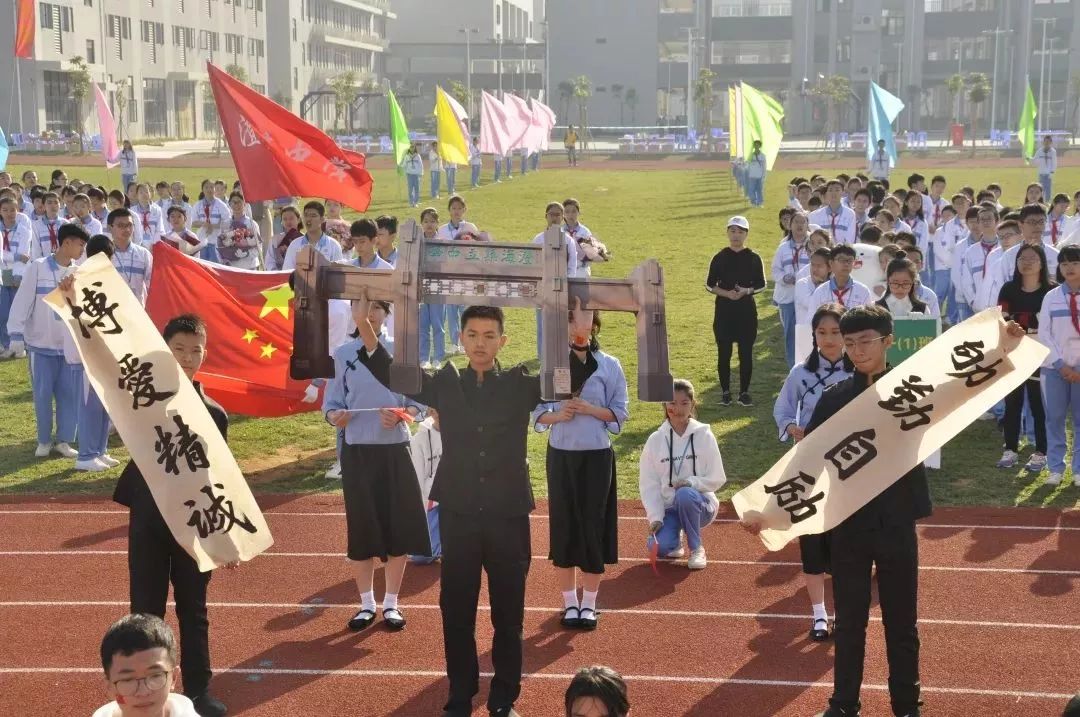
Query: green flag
1026	126
399	133
762	120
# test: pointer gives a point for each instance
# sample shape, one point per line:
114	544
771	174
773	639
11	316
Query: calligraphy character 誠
967	359
218	517
790	496
853	453
903	404
184	443
137	379
95	312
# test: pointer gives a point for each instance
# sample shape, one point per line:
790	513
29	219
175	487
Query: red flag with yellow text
277	154
249	326
24	28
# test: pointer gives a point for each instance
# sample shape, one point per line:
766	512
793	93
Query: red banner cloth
25	23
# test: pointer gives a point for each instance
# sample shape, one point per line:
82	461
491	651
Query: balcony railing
328	32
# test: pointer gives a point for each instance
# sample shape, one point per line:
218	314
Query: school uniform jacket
149	224
903	502
945	241
213	213
974	272
840	224
484	470
804	292
135	264
1056	330
326	245
879	164
921	230
1046	161
788	259
802	390
668	456
426	449
932	209
1007	267
854	294
1056	229
30	320
413	164
46	238
577	235
90	224
15	247
573	255
606	387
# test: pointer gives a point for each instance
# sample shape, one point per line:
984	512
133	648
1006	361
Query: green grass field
676	216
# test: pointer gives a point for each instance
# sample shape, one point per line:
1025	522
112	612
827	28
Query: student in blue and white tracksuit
1059	330
1058	224
791	256
681	470
33	324
834	216
414	170
476	161
554	215
46	230
432	316
15	238
149	219
208	218
582	496
435	165
451	231
134	262
1045	160
755	175
962	307
826	365
425	446
1031	218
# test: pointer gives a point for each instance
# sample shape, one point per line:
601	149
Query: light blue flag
3	150
884	108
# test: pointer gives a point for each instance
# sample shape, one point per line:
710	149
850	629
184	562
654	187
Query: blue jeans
476	175
54	380
690	514
524	164
787	321
451	179
125	180
93	423
498	169
210	253
1047	182
1060	398
7	295
958	310
413	182
754	190
433	536
453	322
943	288
436	177
432	317
509	168
534	161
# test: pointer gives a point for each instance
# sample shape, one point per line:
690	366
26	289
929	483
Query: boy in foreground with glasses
138	654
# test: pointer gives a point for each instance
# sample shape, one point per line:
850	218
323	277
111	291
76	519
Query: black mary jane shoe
571	622
817	634
393	619
362	619
589	623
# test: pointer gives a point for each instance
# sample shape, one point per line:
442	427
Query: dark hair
971	213
161	185
900	263
842	249
937	178
571	202
603	683
363	228
387	222
834	182
117	195
863	191
884	184
173	208
1070	252
95	193
914	249
116	214
870	317
905	209
450	202
1044	271
825	311
813	202
71	231
135	633
1059	197
906	237
914	179
494	313
870	234
785	212
430	210
550	205
822	251
56	174
1032	210
234	195
184	324
99	244
317	206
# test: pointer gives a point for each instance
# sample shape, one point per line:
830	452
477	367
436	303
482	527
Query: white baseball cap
739	221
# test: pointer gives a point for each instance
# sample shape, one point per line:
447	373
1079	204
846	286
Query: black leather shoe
209	706
362	619
818	634
589	619
393	619
571	622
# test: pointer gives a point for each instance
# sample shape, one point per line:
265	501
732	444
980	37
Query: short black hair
842	249
184	324
179	209
870	234
1032	210
914	179
863	318
135	633
162	184
71	231
571	202
863	191
317	206
99	244
116	214
387	222
603	683
493	313
432	211
454	198
1069	252
363	228
937	178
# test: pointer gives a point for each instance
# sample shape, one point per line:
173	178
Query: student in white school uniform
817	274
834	216
1059	330
314	212
879	163
33	325
826	365
582	496
590	249
1046	164
414	170
1058	224
178	235
435	165
911	213
80	205
554	215
425	446
452	231
1008	234
177	198
15	239
1032	221
476	162
134	262
959	269
791	256
290	220
239	244
47	230
210	215
680	472
755	175
976	264
149	219
841	288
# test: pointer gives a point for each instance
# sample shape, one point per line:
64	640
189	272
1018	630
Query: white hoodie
177	704
426	449
696	457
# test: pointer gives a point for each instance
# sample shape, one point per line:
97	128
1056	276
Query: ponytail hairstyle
825	311
901	264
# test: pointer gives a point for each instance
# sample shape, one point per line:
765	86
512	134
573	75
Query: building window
155	108
91	56
295	78
751	52
751	8
59	106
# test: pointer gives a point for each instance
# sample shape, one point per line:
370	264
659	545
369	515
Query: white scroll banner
195	481
906	415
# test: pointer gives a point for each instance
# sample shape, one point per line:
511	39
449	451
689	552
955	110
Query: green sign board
910	335
477	252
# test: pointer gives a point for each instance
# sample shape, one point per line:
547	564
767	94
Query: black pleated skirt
584	509
816	553
384	511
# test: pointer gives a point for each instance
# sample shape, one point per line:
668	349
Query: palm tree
703	98
582	93
631	100
617	94
80	89
978	89
566	91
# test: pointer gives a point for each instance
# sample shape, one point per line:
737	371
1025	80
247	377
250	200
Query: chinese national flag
249	326
277	154
24	28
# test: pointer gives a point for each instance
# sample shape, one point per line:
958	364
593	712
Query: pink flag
107	128
495	135
520	117
547	120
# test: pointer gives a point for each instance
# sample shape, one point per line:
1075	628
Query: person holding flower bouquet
290	229
239	244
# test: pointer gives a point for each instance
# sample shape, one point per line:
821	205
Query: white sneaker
335	471
676	553
92	465
43	450
1054	479
697	558
109	460
1008	459
21	353
65	450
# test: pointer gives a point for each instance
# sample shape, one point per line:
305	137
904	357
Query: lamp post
498	62
1050	77
468	69
997	32
1042	68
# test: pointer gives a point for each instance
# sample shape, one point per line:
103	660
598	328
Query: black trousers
502	548
1014	408
155	559
895	551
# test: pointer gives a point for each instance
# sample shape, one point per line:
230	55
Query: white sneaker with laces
335	471
676	553
1008	459
1054	479
109	460
91	465
43	450
697	558
65	450
21	353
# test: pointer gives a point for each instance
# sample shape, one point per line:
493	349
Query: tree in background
582	93
617	93
703	98
955	86
121	100
238	73
631	100
836	92
978	90
566	93
80	90
343	85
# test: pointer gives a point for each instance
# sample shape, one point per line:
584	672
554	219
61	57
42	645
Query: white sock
367	600
588	600
569	598
819	611
389	601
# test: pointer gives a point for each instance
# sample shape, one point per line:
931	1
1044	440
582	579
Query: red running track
1000	629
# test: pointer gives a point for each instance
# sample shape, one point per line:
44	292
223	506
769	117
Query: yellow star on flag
277	299
267	350
250	335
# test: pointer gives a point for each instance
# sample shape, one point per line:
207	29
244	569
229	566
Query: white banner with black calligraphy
891	427
195	481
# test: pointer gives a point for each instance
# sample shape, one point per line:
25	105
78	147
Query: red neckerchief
1053	232
52	234
841	293
4	244
1074	311
986	253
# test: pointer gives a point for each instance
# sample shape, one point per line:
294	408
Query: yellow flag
453	147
